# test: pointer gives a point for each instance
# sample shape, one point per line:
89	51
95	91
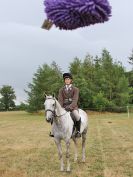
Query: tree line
104	85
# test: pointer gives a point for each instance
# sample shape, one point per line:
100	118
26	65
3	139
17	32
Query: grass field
27	151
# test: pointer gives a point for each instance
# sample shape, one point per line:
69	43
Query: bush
100	102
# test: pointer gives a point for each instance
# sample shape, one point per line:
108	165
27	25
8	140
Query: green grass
26	150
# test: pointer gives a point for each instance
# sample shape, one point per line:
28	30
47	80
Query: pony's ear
45	95
53	95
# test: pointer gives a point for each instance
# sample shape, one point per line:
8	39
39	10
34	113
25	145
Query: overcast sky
24	45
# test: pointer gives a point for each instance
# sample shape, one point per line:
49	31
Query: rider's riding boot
78	134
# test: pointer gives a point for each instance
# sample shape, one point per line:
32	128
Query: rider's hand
67	109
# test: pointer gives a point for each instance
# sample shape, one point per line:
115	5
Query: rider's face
68	81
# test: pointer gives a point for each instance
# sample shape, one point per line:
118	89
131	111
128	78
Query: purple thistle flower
72	14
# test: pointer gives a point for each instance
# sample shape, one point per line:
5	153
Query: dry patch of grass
27	151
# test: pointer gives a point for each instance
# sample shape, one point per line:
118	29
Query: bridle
53	111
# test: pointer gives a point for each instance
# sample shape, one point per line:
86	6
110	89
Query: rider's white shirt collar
68	86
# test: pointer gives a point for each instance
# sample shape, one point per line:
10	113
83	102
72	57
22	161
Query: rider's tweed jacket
69	97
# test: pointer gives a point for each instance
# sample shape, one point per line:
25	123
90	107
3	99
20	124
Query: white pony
62	128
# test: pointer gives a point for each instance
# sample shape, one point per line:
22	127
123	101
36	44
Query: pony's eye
53	104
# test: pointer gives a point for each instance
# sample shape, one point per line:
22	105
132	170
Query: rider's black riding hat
67	75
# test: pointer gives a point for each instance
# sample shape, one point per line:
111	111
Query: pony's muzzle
49	120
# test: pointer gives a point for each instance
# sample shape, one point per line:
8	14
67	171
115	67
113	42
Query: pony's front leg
58	143
68	155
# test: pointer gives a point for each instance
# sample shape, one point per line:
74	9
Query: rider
68	98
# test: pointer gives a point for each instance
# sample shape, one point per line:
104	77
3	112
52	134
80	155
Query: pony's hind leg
68	155
75	149
58	143
83	145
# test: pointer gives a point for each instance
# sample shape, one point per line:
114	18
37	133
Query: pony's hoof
68	170
83	160
75	160
61	170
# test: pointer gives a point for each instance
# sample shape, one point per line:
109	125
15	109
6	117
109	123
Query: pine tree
47	79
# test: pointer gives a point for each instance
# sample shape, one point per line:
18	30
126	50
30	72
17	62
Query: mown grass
26	150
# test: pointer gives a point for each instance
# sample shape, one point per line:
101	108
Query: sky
24	46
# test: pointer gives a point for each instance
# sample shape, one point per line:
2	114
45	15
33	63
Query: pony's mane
57	102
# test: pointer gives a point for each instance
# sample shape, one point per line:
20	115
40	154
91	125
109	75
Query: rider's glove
67	108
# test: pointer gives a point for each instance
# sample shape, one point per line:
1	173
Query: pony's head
50	106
